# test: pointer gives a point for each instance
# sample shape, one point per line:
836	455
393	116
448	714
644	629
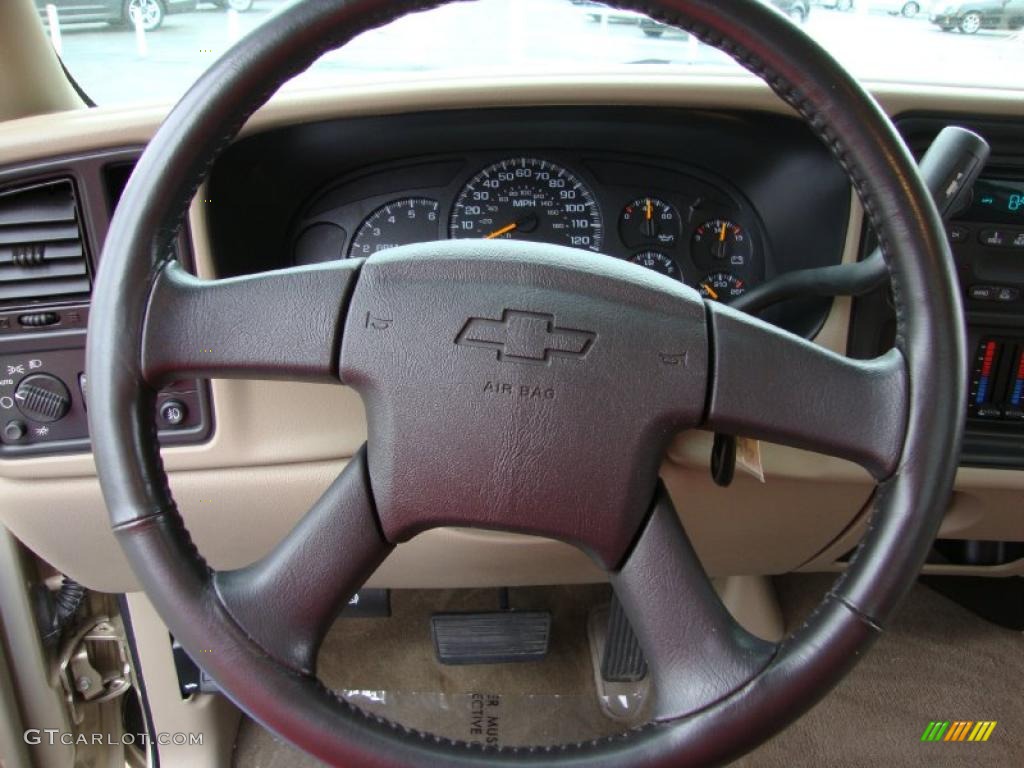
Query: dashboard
314	176
662	216
987	242
721	201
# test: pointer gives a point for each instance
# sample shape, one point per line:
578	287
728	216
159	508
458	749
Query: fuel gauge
649	221
659	262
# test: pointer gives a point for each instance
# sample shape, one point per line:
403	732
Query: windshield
129	51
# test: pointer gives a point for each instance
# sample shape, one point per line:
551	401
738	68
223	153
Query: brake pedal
494	637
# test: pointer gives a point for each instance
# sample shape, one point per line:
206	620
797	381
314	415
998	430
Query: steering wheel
521	387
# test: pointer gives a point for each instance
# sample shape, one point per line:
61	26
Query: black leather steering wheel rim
206	612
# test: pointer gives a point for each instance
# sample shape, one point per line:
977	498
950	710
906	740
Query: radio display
997	201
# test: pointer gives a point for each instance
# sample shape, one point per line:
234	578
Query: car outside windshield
153	50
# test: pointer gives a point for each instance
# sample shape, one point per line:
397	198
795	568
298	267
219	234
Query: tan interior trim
753	603
41	704
214	717
40	86
13	749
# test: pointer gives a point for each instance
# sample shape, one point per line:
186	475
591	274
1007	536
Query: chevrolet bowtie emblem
525	337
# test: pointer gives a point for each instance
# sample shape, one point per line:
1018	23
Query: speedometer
525	198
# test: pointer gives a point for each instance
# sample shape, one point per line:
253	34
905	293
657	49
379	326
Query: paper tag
748	456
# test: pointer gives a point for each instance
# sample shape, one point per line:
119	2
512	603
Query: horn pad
521	387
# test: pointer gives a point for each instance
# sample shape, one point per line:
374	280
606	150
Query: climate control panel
988	246
44	402
997	380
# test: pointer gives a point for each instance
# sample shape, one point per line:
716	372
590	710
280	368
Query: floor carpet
937	662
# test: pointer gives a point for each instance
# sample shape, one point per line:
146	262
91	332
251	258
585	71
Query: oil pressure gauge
648	221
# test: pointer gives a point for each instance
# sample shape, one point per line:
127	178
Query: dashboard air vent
42	255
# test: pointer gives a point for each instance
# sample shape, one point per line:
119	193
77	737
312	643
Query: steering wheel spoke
696	651
772	385
284	324
287	600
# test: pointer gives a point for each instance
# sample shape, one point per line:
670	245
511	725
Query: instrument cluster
675	220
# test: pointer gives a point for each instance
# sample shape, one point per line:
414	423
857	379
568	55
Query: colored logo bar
958	730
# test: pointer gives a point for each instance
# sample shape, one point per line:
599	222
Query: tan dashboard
276	446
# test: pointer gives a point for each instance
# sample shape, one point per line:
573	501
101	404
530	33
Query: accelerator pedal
623	661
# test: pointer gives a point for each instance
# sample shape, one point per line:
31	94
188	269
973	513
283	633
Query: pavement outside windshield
114	66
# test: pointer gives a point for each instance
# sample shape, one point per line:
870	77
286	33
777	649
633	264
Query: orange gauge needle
710	290
504	230
650	209
721	235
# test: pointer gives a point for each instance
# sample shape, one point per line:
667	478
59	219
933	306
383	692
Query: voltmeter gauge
659	262
721	241
649	221
722	286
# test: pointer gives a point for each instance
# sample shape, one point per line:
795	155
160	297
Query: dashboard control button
38	319
1003	293
993	237
1017	414
990	412
959	233
15	431
43	398
173	413
982	292
1017	240
993	293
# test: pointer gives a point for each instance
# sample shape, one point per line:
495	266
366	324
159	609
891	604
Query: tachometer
399	222
525	198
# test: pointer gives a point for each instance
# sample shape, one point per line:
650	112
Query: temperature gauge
659	262
721	241
649	221
722	286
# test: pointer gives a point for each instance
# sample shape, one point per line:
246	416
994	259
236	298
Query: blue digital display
998	201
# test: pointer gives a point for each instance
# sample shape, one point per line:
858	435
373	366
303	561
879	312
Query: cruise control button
990	412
